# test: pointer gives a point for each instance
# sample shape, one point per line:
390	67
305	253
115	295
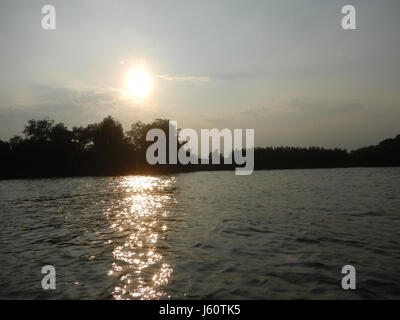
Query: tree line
49	149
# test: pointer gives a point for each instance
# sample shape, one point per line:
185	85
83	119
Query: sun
138	82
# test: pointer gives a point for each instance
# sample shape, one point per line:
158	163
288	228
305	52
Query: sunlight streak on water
138	266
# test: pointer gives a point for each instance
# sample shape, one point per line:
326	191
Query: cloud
77	95
73	105
324	107
299	108
185	78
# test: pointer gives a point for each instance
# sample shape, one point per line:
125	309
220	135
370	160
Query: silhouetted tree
50	149
108	133
39	130
60	135
15	142
386	153
83	137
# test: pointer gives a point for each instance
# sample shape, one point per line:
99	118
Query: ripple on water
275	234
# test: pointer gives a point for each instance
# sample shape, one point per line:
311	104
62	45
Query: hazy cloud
185	78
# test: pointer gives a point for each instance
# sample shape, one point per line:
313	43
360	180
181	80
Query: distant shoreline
50	150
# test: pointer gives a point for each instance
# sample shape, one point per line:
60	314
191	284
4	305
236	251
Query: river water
283	234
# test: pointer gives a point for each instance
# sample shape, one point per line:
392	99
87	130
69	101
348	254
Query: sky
284	68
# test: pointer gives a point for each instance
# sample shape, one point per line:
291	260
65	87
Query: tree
15	142
60	135
84	137
108	133
39	130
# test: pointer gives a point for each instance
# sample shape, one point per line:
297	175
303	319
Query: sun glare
138	82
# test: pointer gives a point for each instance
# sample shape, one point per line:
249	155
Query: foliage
50	149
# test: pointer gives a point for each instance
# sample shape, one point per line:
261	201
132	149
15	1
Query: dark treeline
47	149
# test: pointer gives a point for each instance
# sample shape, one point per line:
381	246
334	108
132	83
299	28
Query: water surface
207	235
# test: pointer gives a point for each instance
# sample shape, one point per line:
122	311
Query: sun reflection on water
139	267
